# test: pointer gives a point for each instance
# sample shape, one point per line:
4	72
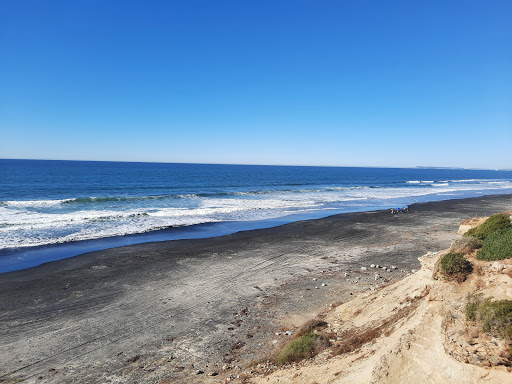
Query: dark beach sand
159	312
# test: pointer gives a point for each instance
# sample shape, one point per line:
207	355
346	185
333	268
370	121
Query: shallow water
65	202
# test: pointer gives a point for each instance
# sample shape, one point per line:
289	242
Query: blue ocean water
45	205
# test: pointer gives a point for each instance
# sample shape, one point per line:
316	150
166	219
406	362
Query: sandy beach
188	310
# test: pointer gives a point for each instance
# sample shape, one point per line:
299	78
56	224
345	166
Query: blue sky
357	83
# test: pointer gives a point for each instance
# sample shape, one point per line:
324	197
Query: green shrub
472	305
495	317
497	246
465	245
493	223
302	348
471	309
454	265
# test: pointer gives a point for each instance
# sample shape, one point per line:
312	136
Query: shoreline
48	253
177	307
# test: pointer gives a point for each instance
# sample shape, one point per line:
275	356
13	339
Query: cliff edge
414	331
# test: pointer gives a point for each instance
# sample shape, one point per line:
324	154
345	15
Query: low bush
465	245
493	223
472	305
454	265
494	316
304	347
497	246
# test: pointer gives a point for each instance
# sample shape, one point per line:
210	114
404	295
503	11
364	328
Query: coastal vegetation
473	301
493	316
455	266
465	245
493	236
492	224
495	239
497	245
304	347
308	342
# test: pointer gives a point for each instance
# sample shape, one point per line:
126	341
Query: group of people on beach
399	210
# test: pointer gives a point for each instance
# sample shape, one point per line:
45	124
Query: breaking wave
39	222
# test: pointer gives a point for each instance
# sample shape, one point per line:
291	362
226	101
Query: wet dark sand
160	312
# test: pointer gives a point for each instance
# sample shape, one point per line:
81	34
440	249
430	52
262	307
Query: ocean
51	210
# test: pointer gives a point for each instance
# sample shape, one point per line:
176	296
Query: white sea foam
34	203
30	223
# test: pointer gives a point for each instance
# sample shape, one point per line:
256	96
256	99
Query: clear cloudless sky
356	83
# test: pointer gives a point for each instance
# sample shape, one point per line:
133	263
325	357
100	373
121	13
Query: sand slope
413	331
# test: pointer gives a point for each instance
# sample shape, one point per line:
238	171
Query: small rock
199	372
212	373
316	287
388	270
377	266
477	358
413	271
363	268
324	285
314	278
393	267
497	266
372	266
376	277
288	333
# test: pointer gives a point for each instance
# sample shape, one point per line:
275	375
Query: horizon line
268	165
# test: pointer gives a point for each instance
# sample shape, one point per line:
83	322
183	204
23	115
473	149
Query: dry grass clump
311	326
355	339
465	246
474	221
